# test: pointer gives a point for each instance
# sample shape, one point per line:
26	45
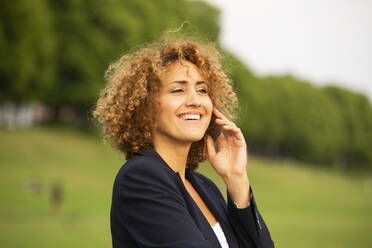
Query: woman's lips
190	116
190	119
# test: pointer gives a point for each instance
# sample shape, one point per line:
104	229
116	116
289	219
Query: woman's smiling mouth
190	116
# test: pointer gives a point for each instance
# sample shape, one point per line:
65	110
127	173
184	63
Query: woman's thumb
210	146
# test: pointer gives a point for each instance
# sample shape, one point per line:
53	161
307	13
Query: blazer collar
218	211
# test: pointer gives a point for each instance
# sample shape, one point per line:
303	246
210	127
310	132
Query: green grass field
303	206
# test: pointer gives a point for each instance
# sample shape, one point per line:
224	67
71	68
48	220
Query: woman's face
185	107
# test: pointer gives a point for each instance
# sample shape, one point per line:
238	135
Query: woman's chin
190	137
195	138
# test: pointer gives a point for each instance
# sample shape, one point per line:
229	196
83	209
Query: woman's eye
203	90
176	90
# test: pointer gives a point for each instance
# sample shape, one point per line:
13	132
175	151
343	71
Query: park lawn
303	206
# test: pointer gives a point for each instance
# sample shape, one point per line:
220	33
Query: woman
166	106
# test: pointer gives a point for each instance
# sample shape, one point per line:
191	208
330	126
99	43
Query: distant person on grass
166	106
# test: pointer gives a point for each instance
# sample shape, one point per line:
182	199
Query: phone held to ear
214	129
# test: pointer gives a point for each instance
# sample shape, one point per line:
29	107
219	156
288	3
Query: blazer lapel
202	221
219	213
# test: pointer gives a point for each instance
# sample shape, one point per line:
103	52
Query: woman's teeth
190	117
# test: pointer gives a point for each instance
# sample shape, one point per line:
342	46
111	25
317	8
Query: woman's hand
231	159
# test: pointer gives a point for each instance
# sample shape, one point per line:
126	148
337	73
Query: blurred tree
57	50
27	49
93	33
285	116
356	112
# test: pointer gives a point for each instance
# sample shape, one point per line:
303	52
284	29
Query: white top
220	235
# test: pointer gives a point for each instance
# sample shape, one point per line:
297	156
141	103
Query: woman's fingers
231	128
228	126
218	114
221	119
222	122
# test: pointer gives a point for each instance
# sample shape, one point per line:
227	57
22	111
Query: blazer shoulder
145	171
146	178
141	165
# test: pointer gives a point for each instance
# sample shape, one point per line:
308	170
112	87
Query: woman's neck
175	155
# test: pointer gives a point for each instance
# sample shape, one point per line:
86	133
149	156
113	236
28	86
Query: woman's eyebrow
179	82
200	82
185	82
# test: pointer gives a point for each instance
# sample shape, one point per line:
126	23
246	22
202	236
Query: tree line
56	52
283	116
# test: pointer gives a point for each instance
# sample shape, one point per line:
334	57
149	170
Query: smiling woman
159	108
186	104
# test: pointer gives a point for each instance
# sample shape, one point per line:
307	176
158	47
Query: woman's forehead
181	71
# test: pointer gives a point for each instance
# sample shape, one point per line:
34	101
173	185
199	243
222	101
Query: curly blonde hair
126	109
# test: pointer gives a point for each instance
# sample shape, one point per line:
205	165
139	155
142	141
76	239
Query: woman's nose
193	99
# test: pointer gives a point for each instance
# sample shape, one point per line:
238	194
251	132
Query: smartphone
215	130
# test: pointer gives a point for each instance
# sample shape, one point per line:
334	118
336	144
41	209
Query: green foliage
27	50
57	50
285	116
356	124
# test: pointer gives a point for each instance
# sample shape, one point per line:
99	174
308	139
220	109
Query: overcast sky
318	40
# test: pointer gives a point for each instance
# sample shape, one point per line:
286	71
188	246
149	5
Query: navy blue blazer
152	208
